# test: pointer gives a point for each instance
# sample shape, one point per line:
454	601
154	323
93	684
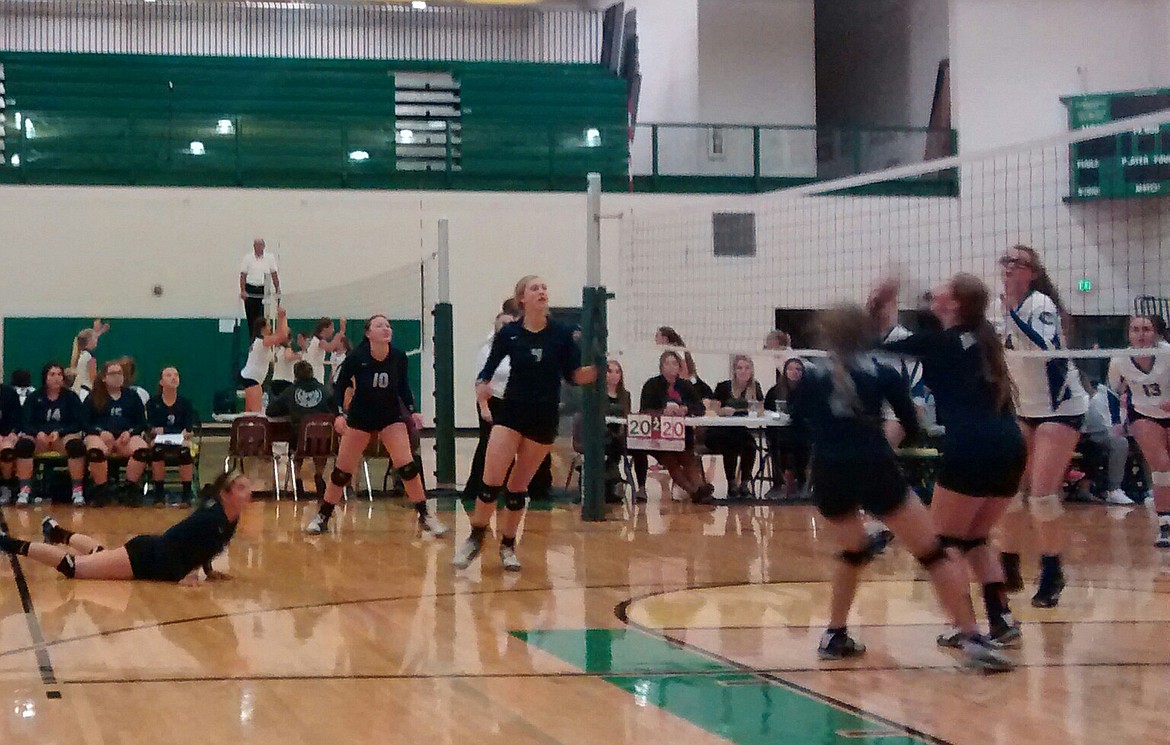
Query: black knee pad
7	455
142	455
185	457
950	541
934	556
490	494
970	544
68	566
75	449
859	558
410	471
97	549
158	454
25	448
514	501
94	455
340	478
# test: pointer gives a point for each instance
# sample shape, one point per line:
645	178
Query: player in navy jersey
182	554
372	389
983	452
116	423
1145	382
168	413
854	469
54	420
542	353
10	417
1051	404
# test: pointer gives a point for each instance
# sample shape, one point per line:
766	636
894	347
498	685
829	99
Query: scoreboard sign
654	432
1129	164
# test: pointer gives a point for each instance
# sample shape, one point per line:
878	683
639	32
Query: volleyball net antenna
726	275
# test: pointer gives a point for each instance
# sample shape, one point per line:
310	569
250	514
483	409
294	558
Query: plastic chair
251	437
314	439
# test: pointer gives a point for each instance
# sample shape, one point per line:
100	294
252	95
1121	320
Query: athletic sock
159	487
24	485
421	507
1163	518
57	534
477	533
508	542
78	488
326	509
995	600
187	489
11	545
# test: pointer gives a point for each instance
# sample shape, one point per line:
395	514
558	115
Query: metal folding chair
314	439
251	437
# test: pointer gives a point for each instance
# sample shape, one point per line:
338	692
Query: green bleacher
131	119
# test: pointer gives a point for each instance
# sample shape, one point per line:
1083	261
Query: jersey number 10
381	380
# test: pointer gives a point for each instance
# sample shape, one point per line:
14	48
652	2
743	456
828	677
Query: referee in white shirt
253	270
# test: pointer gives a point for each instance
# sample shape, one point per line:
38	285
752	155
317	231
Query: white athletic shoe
983	654
508	559
5	495
430	524
317	525
22	499
78	499
1117	496
467	553
1163	539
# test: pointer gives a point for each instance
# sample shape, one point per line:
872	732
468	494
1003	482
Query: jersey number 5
1152	390
381	380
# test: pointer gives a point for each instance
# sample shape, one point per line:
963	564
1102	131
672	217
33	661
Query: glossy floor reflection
670	623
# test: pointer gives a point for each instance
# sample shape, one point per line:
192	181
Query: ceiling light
196	148
225	127
406	136
592	137
357	156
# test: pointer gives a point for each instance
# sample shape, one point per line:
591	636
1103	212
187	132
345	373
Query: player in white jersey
1144	382
1051	405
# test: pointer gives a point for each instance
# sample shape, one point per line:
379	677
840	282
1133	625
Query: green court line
725	701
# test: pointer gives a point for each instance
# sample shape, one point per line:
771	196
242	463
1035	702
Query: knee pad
340	478
75	449
970	544
95	455
68	566
934	556
950	541
97	550
185	457
410	471
25	448
1016	503
1160	478
859	558
7	455
142	455
158	454
490	494
1046	508
514	501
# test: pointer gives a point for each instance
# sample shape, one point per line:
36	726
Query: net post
593	342
444	369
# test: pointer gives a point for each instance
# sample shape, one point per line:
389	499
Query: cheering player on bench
182	554
1147	382
372	384
542	352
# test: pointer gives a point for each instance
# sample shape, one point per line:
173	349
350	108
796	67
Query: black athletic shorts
373	421
537	422
1134	416
246	383
877	487
151	558
1074	421
983	477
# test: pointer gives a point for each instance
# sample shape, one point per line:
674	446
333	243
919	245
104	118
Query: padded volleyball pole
593	347
444	370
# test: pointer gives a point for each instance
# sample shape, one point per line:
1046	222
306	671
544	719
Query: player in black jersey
854	469
542	354
182	554
116	423
372	387
983	451
10	416
168	413
54	419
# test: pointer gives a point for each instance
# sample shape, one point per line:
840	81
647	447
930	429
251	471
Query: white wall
1011	61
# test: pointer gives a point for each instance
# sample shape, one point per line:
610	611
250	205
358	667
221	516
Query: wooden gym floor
669	623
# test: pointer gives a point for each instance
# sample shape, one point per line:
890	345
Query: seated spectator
10	421
736	444
670	394
789	446
117	422
53	423
21	380
168	413
618	405
1104	447
307	396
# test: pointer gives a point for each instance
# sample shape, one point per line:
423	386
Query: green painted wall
208	361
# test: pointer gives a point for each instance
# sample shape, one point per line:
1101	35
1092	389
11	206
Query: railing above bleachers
316	30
